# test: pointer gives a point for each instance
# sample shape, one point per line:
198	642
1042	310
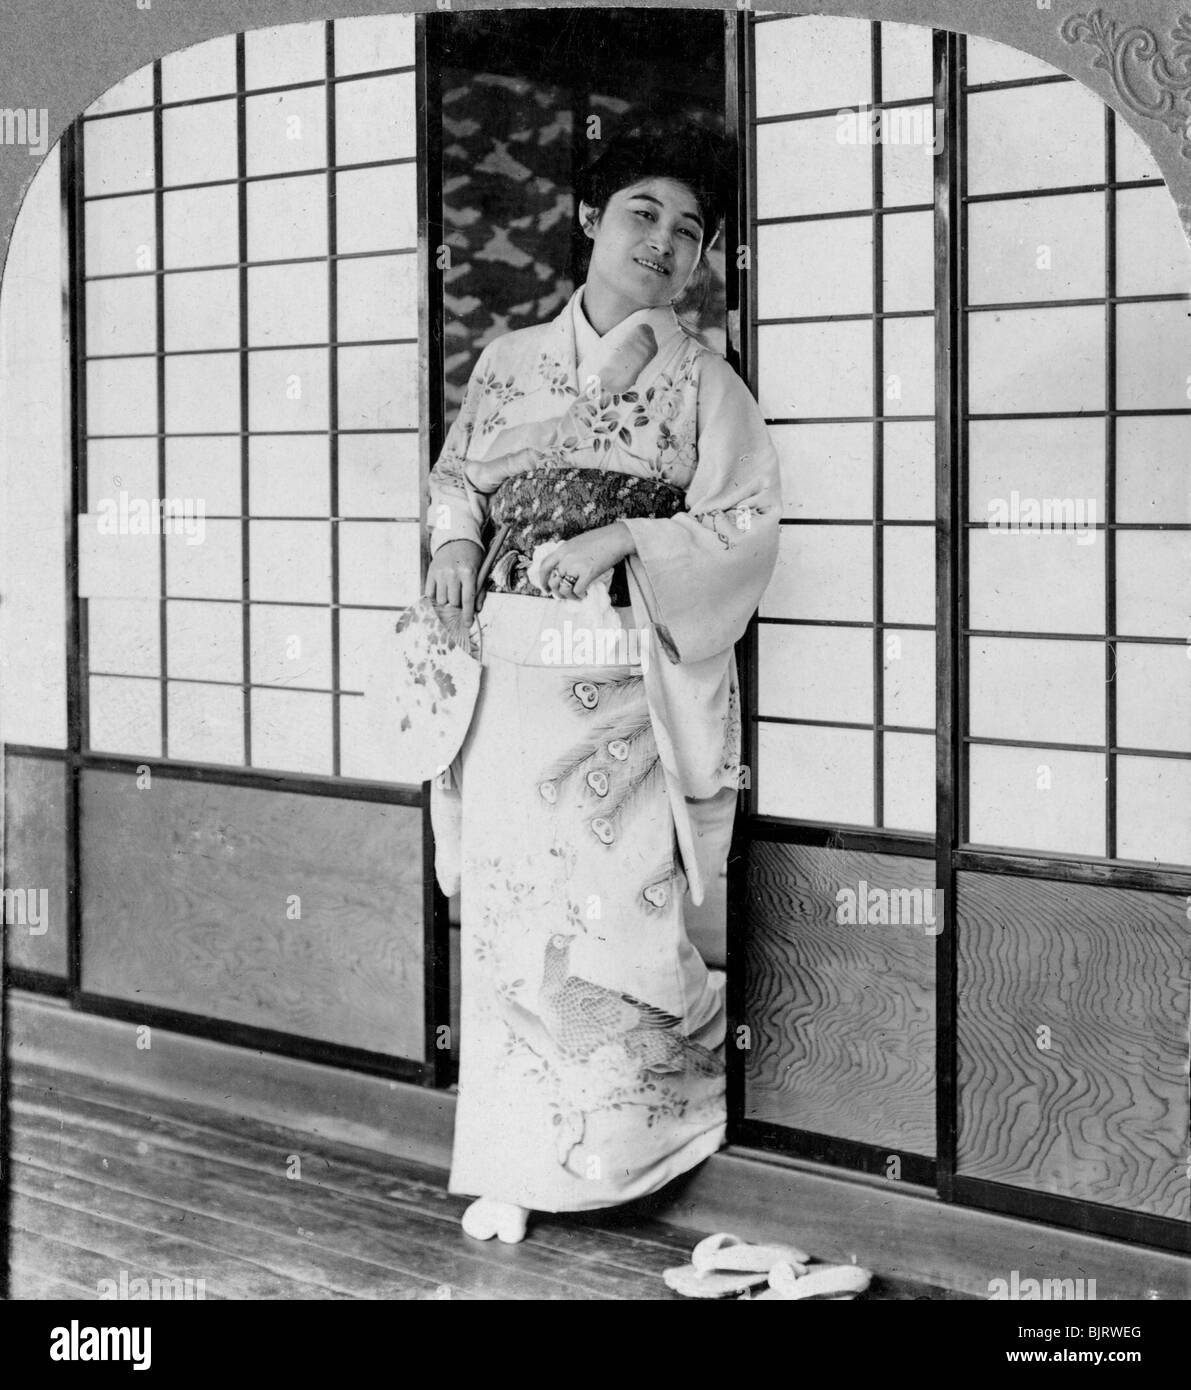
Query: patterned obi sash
554	504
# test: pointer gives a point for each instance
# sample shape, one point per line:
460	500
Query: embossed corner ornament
1147	81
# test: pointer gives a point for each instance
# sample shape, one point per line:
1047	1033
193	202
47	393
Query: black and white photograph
595	615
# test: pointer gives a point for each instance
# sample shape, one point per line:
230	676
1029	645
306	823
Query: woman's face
646	243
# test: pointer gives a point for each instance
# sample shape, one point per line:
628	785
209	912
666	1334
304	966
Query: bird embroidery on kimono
583	1016
660	1051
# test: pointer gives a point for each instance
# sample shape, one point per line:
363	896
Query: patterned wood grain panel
842	1015
1095	1107
35	863
187	895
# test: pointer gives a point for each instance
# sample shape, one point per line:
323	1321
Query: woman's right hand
451	578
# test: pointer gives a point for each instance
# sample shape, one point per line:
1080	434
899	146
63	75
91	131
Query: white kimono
591	798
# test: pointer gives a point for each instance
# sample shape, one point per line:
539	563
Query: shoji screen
845	374
1075	469
1060	1058
252	357
1078	476
841	1015
250	444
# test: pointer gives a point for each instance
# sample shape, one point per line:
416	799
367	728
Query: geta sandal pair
724	1266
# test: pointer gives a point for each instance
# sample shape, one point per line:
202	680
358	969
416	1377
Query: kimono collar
578	340
586	338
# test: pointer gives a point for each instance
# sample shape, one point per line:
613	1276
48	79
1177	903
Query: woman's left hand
585	558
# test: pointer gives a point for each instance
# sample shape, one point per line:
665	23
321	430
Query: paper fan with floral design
424	690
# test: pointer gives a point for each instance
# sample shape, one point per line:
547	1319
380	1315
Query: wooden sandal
821	1282
728	1252
691	1283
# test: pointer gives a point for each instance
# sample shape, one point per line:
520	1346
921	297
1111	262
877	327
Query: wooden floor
108	1183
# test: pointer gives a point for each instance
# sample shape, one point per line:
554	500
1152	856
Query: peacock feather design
658	887
614	761
608	744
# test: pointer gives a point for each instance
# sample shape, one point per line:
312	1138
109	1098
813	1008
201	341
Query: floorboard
107	1179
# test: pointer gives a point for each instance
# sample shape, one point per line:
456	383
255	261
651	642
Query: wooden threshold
906	1233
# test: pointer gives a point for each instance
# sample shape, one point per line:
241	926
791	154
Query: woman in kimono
596	788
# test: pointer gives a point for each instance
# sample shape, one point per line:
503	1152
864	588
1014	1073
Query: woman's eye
643	212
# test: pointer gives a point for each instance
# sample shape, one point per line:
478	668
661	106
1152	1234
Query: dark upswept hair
678	149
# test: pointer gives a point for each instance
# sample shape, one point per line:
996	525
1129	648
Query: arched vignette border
60	56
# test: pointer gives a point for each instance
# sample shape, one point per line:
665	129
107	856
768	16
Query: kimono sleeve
707	567
456	511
